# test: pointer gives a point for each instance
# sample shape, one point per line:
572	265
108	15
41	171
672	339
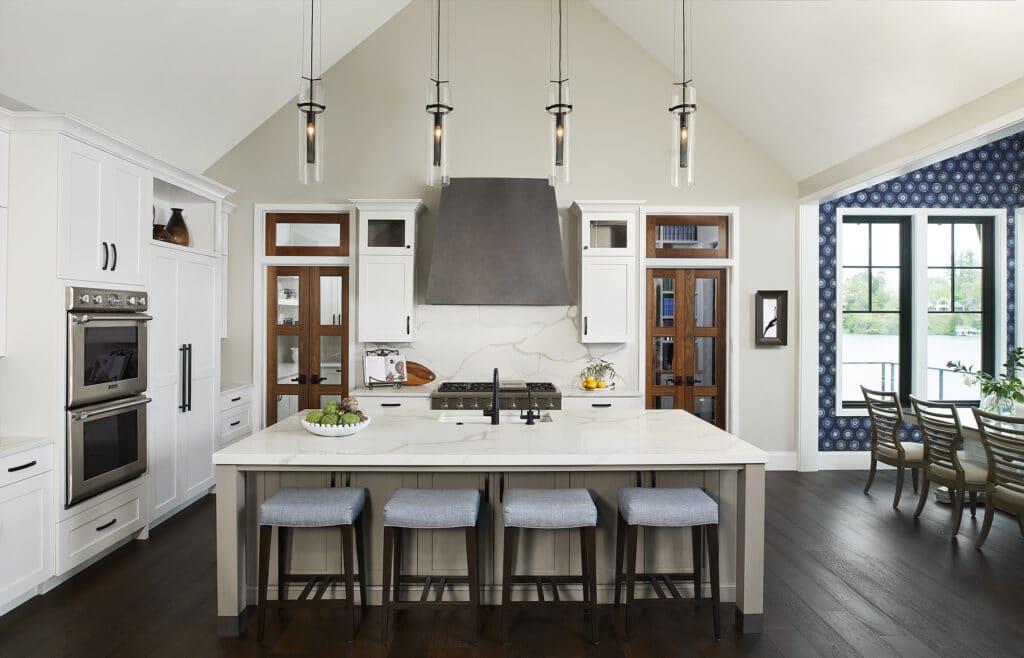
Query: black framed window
876	282
961	304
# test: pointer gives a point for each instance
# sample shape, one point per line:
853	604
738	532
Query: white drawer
599	402
382	404
236	420
94	530
25	464
239	397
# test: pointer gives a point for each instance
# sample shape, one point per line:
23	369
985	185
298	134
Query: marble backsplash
535	343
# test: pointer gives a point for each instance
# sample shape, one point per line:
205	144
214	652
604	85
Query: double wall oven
106	385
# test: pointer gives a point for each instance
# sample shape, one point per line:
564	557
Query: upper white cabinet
387	263
104	203
5	148
608	255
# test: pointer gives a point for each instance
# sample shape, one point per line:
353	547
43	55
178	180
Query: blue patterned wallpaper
989	176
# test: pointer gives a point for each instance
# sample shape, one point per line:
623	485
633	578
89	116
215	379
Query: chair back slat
886	418
1003	438
941	432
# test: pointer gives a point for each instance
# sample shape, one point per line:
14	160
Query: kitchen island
600	449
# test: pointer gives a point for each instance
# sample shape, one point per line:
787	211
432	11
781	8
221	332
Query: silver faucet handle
513	405
461	406
476	405
444	404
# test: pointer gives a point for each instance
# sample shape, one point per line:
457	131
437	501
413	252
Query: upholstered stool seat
429	509
292	508
548	508
432	508
686	507
667	508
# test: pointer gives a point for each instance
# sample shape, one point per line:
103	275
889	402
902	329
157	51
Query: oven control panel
102	299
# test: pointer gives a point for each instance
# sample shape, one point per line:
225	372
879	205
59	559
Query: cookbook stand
373	382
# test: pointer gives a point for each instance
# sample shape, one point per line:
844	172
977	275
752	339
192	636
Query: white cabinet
387	227
3	281
104	203
235	415
26	523
184	355
5	168
386	306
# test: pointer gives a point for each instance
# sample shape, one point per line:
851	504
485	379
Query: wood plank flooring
846	576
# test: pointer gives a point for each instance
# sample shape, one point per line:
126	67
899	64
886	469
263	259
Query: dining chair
1003	438
942	437
886	446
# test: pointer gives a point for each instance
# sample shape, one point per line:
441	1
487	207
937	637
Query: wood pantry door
307	338
686	342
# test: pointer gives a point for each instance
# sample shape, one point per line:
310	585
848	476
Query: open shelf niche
200	214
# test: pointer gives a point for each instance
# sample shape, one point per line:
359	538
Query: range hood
498	242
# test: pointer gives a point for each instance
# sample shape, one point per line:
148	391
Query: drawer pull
237	422
390	404
15	469
236	399
601	405
106	525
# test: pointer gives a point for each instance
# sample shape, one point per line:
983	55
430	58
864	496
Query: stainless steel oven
107	344
106	446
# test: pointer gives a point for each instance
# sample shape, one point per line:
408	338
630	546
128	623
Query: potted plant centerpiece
999	394
599	374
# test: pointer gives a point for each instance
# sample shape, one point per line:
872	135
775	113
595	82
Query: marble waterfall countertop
598	438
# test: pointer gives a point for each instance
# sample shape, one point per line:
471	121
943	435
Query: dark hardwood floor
846	576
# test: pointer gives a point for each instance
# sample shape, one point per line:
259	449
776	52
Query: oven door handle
82	415
110	317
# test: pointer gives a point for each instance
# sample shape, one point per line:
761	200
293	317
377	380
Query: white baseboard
847	461
783	460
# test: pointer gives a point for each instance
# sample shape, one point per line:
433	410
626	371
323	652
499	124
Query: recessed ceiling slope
815	83
185	80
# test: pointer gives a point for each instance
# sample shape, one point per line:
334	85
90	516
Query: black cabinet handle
190	376
113	248
15	469
601	405
407	320
106	255
301	380
183	407
236	399
106	525
585	325
237	422
390	404
316	379
690	381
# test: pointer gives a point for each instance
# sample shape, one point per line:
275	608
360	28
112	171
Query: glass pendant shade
559	97
439	94
683	105
311	102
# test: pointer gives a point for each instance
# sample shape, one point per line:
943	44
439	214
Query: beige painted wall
376	147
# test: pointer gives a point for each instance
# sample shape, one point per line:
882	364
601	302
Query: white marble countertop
581	439
576	392
15	444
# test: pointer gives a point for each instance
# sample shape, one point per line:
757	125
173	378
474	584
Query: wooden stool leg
986	525
264	573
697	535
385	593
473	567
899	486
871	473
631	534
620	550
584	570
914	475
958	509
591	578
283	558
924	496
713	559
361	560
346	561
506	581
397	581
974	502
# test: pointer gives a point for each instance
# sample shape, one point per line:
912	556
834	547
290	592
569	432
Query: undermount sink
477	418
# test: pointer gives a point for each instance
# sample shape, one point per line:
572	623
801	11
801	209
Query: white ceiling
812	82
204	73
815	83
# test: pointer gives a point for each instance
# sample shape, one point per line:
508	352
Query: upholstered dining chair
942	437
886	446
1003	438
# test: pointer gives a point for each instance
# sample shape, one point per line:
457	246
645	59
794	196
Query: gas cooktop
487	387
512	394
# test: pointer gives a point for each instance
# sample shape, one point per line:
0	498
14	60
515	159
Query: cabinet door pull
106	255
237	422
113	249
15	469
407	319
190	376
183	407
236	399
601	405
585	325
106	525
390	404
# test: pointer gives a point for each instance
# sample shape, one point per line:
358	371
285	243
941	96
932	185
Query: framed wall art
770	317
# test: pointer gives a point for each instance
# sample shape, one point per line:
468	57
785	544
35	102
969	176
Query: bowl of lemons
599	375
336	419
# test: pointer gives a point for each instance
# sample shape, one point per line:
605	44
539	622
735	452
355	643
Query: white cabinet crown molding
606	206
395	205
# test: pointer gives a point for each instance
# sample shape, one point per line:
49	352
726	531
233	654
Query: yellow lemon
600	384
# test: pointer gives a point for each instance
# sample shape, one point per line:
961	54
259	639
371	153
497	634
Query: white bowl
334	430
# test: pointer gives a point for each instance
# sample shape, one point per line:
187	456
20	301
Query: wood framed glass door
686	342
307	338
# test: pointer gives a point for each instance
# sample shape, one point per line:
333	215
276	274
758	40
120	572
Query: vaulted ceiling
812	82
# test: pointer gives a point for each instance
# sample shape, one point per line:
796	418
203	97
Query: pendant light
559	105
684	101
311	96
439	95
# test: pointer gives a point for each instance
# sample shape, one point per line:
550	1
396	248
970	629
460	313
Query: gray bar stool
550	509
429	509
688	507
291	508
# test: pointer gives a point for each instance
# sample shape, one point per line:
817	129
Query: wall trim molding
849	460
782	460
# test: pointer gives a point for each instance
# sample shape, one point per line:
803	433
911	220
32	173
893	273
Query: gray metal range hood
498	242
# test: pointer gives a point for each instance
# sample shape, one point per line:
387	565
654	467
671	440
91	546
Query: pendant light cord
312	9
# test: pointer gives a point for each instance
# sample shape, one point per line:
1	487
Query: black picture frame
771	331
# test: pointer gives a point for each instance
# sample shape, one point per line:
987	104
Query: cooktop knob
97	299
132	301
113	299
85	298
142	301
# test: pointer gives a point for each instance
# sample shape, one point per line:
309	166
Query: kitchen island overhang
573	443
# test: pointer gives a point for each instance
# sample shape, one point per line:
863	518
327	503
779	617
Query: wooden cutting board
418	374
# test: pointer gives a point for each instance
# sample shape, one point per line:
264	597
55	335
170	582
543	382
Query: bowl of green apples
336	419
